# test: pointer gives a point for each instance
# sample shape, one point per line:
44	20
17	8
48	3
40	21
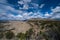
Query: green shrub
1	35
9	35
21	36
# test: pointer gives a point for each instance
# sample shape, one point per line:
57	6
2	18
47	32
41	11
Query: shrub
9	34
21	36
1	35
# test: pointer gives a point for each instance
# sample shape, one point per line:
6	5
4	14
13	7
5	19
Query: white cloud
24	1
20	2
5	14
3	1
18	17
12	17
47	14
37	15
27	0
42	5
57	9
56	16
55	13
25	6
9	8
21	14
35	5
30	13
9	12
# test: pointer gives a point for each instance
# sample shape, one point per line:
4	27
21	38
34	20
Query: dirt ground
19	26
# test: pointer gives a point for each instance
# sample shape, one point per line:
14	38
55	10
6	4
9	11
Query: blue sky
26	9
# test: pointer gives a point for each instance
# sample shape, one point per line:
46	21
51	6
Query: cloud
27	0
7	13
20	2
57	9
55	13
16	17
47	14
37	15
10	13
25	6
3	1
42	5
11	17
35	5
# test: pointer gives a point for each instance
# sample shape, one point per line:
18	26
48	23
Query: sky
27	9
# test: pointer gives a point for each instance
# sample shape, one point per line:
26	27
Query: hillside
35	29
19	26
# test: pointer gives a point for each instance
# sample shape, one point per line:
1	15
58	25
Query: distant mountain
57	19
45	19
33	19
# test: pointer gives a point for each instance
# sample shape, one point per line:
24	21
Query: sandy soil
19	26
